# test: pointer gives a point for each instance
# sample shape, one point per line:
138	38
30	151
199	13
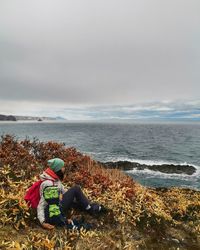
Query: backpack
32	196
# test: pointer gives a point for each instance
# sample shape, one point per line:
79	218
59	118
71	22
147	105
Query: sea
143	143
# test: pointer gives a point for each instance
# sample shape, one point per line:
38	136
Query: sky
90	59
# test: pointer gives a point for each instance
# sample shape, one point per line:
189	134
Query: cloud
99	52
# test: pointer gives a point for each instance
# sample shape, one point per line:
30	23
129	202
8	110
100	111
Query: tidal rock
164	168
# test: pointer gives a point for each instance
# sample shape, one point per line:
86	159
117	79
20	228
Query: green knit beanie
56	164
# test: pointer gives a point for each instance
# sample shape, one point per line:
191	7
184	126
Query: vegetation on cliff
139	217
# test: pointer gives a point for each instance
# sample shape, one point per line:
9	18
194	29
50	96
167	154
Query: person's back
51	190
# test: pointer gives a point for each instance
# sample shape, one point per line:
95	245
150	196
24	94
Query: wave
94	153
147	173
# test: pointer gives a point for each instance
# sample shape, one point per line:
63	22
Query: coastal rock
164	168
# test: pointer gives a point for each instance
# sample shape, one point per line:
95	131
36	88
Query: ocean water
149	144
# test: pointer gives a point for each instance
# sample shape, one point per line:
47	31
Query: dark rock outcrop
164	168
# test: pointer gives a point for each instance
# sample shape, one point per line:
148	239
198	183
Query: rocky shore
164	168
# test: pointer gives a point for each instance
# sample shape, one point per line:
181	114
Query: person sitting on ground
55	201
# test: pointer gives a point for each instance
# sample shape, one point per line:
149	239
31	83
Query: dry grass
140	218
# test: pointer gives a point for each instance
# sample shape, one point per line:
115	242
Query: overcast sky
82	54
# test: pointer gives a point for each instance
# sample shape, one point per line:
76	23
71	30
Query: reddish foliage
32	156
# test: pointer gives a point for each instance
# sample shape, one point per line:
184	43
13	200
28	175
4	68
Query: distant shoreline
105	122
15	118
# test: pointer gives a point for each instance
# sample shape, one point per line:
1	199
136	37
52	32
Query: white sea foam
94	153
147	173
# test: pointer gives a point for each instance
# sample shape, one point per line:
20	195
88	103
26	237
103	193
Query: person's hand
47	226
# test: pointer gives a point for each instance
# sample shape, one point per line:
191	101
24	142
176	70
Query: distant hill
34	118
7	118
25	118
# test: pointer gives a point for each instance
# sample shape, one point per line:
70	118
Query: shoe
104	210
71	225
96	209
78	224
